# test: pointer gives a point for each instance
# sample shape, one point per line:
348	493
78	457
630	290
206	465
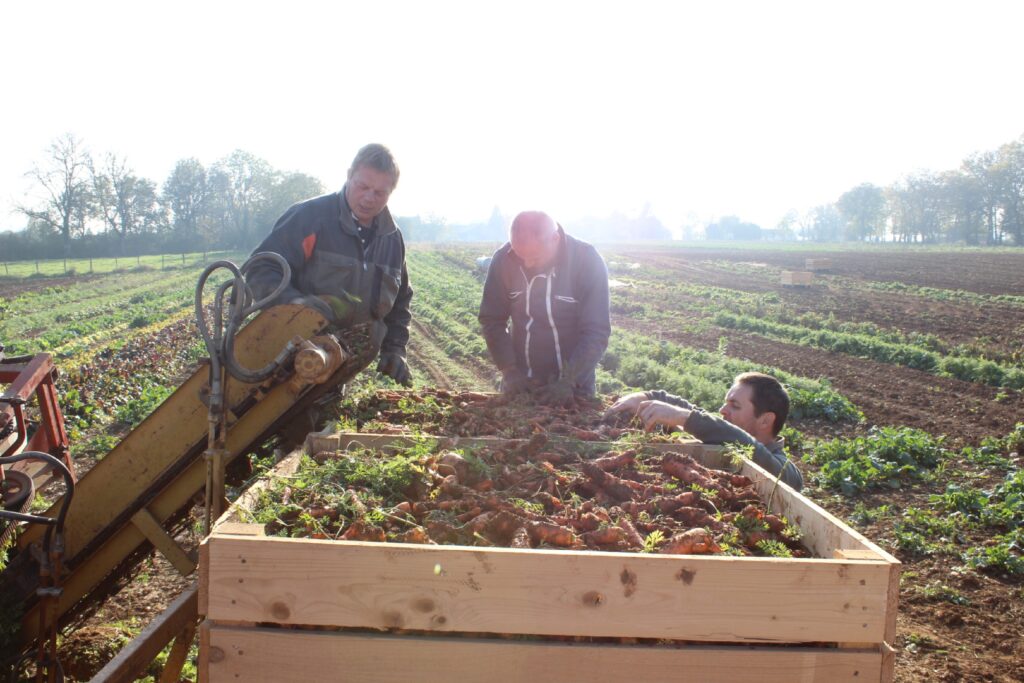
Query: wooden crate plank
797	278
823	533
275	655
547	592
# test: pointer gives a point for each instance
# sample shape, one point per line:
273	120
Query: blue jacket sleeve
713	429
595	316
494	316
716	430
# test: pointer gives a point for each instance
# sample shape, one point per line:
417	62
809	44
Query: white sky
702	110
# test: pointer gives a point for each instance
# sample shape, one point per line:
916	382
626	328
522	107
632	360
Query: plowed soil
974	638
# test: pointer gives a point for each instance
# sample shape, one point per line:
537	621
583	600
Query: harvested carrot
364	531
691	542
616	462
616	488
552	534
609	535
415	535
520	539
633	537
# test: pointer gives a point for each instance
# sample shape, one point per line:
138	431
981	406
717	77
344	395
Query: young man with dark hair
755	409
347	258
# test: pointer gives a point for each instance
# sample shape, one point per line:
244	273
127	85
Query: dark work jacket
714	429
560	318
320	240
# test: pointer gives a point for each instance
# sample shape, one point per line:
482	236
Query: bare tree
126	203
186	193
65	182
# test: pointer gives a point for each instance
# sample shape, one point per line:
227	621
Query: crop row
983	526
656	299
66	320
868	346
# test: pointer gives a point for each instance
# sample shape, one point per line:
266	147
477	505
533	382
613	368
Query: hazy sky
747	108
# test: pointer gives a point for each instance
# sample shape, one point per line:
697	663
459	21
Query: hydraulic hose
236	296
47	663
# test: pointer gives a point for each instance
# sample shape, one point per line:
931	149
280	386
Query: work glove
317	304
513	383
559	394
393	365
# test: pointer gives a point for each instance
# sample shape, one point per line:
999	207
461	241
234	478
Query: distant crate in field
817	264
797	278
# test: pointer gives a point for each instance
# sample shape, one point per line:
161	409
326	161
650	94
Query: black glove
513	383
559	394
394	366
317	304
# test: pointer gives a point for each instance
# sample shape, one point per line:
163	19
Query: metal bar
24	383
22	431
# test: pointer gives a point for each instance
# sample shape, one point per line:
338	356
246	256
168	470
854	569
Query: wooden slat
823	532
179	653
240	529
279	656
162	541
136	656
548	592
855	554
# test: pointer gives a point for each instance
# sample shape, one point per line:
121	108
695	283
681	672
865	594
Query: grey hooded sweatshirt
560	321
714	429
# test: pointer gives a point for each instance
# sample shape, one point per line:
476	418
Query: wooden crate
814	264
274	607
797	278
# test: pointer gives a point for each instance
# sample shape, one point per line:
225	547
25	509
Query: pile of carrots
540	492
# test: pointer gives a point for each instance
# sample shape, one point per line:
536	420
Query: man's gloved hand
393	365
559	394
513	383
317	304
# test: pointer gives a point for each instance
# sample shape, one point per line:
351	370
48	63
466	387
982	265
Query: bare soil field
975	635
980	271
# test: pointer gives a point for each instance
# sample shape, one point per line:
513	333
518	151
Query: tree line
95	207
980	203
92	207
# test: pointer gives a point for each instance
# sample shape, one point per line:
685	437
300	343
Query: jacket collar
383	222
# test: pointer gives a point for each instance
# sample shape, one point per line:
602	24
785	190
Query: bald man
554	290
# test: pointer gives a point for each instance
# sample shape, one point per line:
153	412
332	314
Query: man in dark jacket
755	409
554	289
347	258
